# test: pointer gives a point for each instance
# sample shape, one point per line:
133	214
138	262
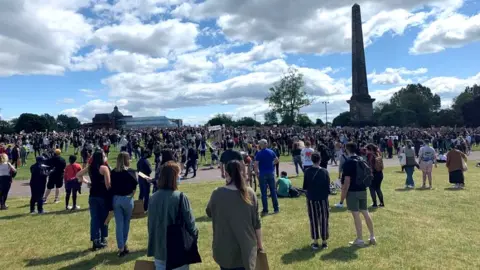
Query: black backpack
364	173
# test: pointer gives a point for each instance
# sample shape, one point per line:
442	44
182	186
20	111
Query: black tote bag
182	248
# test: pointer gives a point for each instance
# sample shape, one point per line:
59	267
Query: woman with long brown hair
237	234
162	212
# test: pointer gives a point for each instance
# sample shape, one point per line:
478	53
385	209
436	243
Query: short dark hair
72	159
230	144
351	147
283	174
316	158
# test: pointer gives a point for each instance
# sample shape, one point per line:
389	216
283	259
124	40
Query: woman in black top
99	200
124	184
316	182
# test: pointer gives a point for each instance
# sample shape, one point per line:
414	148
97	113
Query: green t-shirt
284	185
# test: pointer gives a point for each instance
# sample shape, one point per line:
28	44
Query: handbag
144	265
182	248
138	211
262	261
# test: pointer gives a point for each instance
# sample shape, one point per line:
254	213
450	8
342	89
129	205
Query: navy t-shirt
350	169
265	159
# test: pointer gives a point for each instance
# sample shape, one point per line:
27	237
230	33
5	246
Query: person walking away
203	151
72	185
456	161
265	161
15	156
229	155
38	183
99	200
192	158
237	234
354	190
410	164
162	212
55	180
143	166
316	183
277	153
306	156
297	158
6	172
23	155
390	147
124	183
427	157
375	161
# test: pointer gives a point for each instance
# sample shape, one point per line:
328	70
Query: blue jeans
160	265
98	215
122	208
144	195
409	181
268	179
297	161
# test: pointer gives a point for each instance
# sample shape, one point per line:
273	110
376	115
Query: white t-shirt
426	154
306	155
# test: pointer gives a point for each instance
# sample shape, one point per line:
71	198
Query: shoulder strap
179	219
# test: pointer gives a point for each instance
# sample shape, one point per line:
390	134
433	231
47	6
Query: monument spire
361	104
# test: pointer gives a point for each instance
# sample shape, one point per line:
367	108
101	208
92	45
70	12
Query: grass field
418	229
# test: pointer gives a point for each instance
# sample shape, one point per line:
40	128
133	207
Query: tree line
413	105
29	122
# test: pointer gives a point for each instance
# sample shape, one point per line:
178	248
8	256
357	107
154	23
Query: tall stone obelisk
361	104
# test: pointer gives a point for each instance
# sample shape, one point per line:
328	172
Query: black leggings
37	191
72	191
376	187
5	184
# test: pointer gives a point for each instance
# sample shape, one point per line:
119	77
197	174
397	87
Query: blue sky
192	60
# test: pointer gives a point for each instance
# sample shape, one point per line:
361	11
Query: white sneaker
33	213
410	186
77	207
69	207
56	201
358	243
373	241
339	205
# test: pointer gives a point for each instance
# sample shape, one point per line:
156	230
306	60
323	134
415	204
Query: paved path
21	188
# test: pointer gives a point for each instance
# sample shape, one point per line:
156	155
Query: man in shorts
57	164
356	195
427	157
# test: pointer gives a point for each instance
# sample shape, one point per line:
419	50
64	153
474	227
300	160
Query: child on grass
72	185
285	189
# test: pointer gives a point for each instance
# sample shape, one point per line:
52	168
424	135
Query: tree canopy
30	122
288	96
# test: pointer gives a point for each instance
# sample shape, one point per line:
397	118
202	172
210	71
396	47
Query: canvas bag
262	261
182	248
144	265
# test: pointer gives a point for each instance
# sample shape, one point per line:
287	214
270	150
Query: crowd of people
241	153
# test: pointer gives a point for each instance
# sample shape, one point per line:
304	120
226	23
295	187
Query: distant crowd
241	154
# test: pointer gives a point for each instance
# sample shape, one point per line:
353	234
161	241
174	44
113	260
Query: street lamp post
326	111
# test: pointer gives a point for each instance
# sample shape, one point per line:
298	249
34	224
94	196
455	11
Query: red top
71	171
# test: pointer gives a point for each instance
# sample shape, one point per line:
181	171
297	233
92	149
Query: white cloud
448	31
394	76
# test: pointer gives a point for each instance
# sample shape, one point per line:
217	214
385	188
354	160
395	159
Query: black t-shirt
230	155
350	169
123	182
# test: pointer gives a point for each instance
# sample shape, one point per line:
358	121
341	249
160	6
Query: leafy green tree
247	122
221	119
419	99
342	120
448	117
50	122
471	112
30	122
271	118
399	117
6	127
67	123
319	122
288	96
304	121
466	96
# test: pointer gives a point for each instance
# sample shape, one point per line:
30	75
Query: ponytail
234	169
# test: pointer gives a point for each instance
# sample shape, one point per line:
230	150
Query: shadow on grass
298	255
203	219
57	258
403	189
342	254
453	189
110	258
423	189
61	212
338	209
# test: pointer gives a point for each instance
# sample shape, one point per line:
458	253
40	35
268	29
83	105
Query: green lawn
418	229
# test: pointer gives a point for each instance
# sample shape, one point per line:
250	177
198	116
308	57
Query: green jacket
162	212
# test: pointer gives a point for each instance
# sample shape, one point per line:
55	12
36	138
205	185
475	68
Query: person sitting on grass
72	186
285	188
